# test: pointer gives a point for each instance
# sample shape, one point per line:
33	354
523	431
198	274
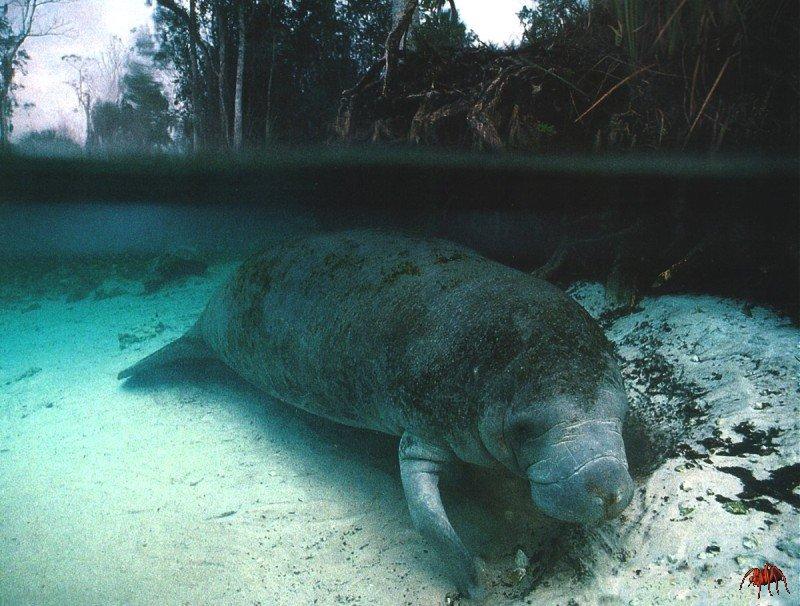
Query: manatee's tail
190	346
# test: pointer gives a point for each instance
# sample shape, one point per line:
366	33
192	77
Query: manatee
465	359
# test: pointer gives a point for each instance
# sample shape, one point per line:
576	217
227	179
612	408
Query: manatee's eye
521	433
519	430
523	429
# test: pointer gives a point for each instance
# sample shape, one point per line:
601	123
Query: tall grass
668	27
673	69
707	44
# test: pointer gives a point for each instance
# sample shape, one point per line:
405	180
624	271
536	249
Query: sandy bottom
193	488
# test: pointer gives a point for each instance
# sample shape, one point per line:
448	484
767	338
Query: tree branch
453	11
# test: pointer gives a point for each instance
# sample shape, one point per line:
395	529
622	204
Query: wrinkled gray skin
466	359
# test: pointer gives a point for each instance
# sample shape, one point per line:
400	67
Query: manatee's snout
580	474
598	491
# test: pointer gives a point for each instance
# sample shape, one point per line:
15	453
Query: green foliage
146	106
12	59
548	19
108	126
6	39
5	32
440	31
5	75
49	142
142	119
546	128
666	28
679	72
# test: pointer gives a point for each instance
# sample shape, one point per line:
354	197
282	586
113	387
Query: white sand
196	489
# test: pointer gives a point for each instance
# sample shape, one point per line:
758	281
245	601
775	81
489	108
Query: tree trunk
3	123
237	116
222	33
87	111
194	75
399	7
271	75
268	128
453	11
404	16
6	74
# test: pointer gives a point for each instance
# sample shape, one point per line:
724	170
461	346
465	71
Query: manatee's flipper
190	346
421	464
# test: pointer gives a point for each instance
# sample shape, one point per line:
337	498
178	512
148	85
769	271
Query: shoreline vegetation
613	75
603	76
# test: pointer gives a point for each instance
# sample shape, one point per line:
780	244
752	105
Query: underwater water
193	485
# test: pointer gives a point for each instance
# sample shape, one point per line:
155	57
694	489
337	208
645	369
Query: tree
98	79
436	31
548	19
404	12
19	20
187	21
266	69
58	141
110	66
84	86
221	33
141	120
194	35
440	31
240	56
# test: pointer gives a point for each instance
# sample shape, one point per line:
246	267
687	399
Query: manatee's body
465	358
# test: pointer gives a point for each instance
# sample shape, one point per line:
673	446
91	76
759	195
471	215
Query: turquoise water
192	487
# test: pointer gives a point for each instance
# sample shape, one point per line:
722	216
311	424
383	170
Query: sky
93	22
